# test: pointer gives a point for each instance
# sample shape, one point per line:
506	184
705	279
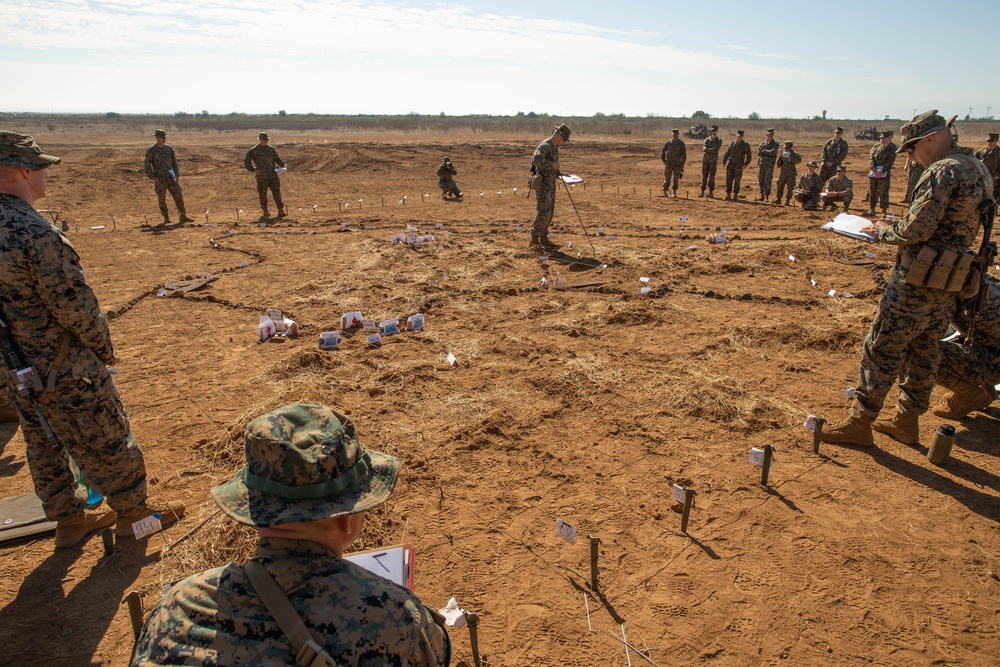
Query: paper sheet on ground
850	225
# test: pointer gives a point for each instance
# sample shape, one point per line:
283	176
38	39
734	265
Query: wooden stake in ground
473	620
766	468
108	540
817	433
686	512
135	611
594	575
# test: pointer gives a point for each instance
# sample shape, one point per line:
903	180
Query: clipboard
392	563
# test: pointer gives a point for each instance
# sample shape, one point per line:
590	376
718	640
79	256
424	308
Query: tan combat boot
535	243
170	513
965	398
850	431
184	218
903	428
75	529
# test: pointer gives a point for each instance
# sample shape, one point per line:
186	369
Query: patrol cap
887	133
841	167
812	163
262	135
305	463
770	130
714	128
161	134
993	136
840	130
564	131
788	144
740	132
922	126
20	150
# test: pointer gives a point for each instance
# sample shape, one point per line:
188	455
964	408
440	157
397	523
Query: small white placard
145	527
348	320
810	422
162	292
678	493
415	322
684	218
791	258
329	340
756	457
369	324
812	282
244	264
397	239
374	339
543	258
850	393
565	531
454	616
869	255
832	292
389	327
278	318
643	280
645	290
451	359
571	179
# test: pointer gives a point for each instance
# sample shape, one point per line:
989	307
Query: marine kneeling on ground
446	173
971	373
838	189
306	486
810	185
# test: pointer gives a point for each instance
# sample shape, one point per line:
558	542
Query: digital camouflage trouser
449	187
265	181
786	179
545	205
903	342
878	193
87	417
978	364
733	177
168	184
708	170
765	175
672	173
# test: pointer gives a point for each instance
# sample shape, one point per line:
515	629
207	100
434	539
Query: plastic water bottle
94	497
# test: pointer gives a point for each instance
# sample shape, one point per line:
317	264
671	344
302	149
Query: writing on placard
756	457
369	324
565	531
810	422
678	493
143	528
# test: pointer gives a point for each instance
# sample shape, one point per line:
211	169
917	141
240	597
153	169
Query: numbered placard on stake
143	528
678	493
565	531
756	457
810	422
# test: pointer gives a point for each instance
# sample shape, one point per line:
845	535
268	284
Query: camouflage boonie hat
162	134
840	130
714	128
841	167
262	135
769	130
305	463
993	136
812	163
675	131
20	150
564	131
922	126
788	144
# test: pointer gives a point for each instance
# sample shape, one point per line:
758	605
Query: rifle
26	379
983	261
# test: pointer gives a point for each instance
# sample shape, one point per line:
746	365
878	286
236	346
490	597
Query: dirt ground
583	404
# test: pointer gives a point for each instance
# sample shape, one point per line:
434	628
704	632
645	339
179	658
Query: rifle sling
50	375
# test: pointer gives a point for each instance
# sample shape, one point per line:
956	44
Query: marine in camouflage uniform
767	153
903	339
914	171
673	156
545	166
446	173
261	161
737	157
710	161
810	186
307	483
159	163
58	329
834	153
787	172
881	157
990	156
838	189
972	373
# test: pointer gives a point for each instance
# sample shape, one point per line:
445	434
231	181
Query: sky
854	59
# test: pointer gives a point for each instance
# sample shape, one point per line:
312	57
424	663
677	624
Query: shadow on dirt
44	625
981	503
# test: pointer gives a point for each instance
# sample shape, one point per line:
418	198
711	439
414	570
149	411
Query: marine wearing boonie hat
788	144
305	463
564	131
812	163
20	150
262	136
160	134
922	126
993	136
841	167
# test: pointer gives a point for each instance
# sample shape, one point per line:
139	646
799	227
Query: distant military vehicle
698	132
871	132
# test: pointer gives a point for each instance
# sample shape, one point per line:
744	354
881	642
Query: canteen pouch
918	266
535	182
938	276
959	276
